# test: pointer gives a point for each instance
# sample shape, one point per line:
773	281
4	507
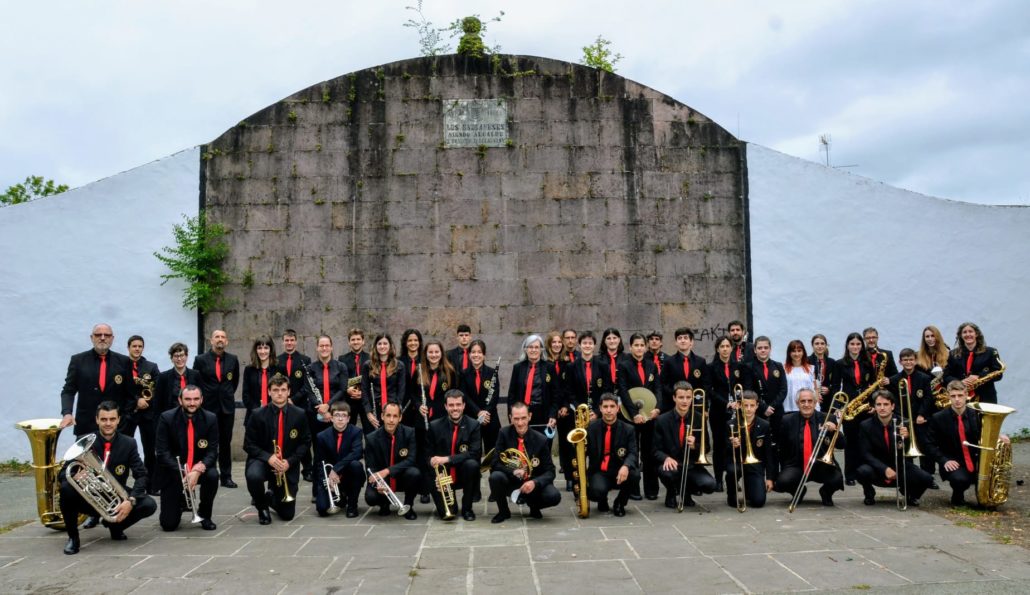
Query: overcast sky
931	96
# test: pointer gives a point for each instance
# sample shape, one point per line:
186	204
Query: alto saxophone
860	404
578	437
940	393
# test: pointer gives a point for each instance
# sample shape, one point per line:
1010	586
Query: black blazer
172	442
380	444
124	459
744	352
166	393
873	447
575	385
984	363
761	444
396	388
83	379
476	400
771	391
846	377
350	448
297	375
546	397
263	428
722	384
673	371
457	358
435	396
667	436
923	402
538	449
144	368
825	371
623	446
219	396
629	377
352	368
943	443
874	361
337	383
791	442
469	444
252	384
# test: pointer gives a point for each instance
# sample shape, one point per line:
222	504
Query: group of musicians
427	416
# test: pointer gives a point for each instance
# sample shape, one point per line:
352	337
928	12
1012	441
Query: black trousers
147	439
601	482
719	431
467	479
698	480
226	421
72	504
351	478
853	446
922	438
960	480
645	444
566	450
753	482
916	482
172	500
306	457
501	487
259	474
407	481
828	475
489	434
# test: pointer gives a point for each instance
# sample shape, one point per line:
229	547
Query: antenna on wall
824	145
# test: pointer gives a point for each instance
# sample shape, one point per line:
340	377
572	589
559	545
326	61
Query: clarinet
421	385
317	393
493	385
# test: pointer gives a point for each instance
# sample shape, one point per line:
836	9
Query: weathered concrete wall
612	204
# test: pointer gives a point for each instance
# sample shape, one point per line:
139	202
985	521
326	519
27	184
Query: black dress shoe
352	511
208	525
500	517
635	497
425	499
619	509
651	496
411	514
850	482
719	487
118	535
869	500
913	502
477	498
384	511
72	547
264	517
602	506
469	515
535	513
91	522
568	485
935	486
670	500
491	498
306	475
227	482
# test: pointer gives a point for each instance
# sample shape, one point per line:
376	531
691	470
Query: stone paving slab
652	549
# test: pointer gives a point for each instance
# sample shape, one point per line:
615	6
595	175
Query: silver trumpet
332	490
88	475
384	487
188	494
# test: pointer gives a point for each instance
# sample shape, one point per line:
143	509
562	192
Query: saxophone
941	393
578	436
995	463
860	404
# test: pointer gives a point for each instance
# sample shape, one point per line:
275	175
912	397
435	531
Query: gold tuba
445	485
578	437
88	475
43	434
995	464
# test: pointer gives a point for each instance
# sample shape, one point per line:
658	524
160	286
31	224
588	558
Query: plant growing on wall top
599	55
197	257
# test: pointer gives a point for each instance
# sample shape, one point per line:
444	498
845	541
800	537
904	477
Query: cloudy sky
932	96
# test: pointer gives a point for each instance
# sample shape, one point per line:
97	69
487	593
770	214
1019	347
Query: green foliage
430	40
292	116
32	188
471	28
197	257
15	467
1021	435
599	55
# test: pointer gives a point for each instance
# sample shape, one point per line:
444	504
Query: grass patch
13	526
974	512
862	587
15	467
968	524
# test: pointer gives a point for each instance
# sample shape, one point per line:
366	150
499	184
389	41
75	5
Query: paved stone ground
709	549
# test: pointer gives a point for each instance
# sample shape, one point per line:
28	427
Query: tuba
578	437
995	463
88	475
43	435
445	485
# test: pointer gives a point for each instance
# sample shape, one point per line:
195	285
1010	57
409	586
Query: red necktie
107	453
765	370
282	447
683	430
522	446
858	376
382	385
557	369
822	371
339	441
218	368
477	381
640	372
393	444
432	386
572	356
264	386
103	372
808	442
189	444
686	368
588	378
887	441
873	357
529	383
464	359
969	369
357	364
658	364
412	367
289	364
726	370
135	369
611	366
454	443
738	352
182	382
607	447
962	439
325	382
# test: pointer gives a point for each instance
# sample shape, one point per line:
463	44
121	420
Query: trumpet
445	485
189	495
332	489
836	411
391	496
280	478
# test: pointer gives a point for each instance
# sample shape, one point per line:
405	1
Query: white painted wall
81	257
834	253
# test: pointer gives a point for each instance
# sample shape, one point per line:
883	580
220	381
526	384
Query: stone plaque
475	122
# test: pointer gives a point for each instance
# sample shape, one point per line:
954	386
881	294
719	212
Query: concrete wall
82	257
612	205
835	253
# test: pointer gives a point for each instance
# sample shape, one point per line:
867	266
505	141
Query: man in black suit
276	436
757	477
119	456
743	351
881	449
455	443
674	432
140	411
173	380
96	375
459	355
875	353
535	485
797	445
340	447
612	457
294	364
219	377
390	456
187	443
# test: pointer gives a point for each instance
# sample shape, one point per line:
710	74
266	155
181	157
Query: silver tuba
86	473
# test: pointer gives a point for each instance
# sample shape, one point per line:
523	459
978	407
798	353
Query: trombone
836	410
740	455
900	473
905	404
681	497
280	478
